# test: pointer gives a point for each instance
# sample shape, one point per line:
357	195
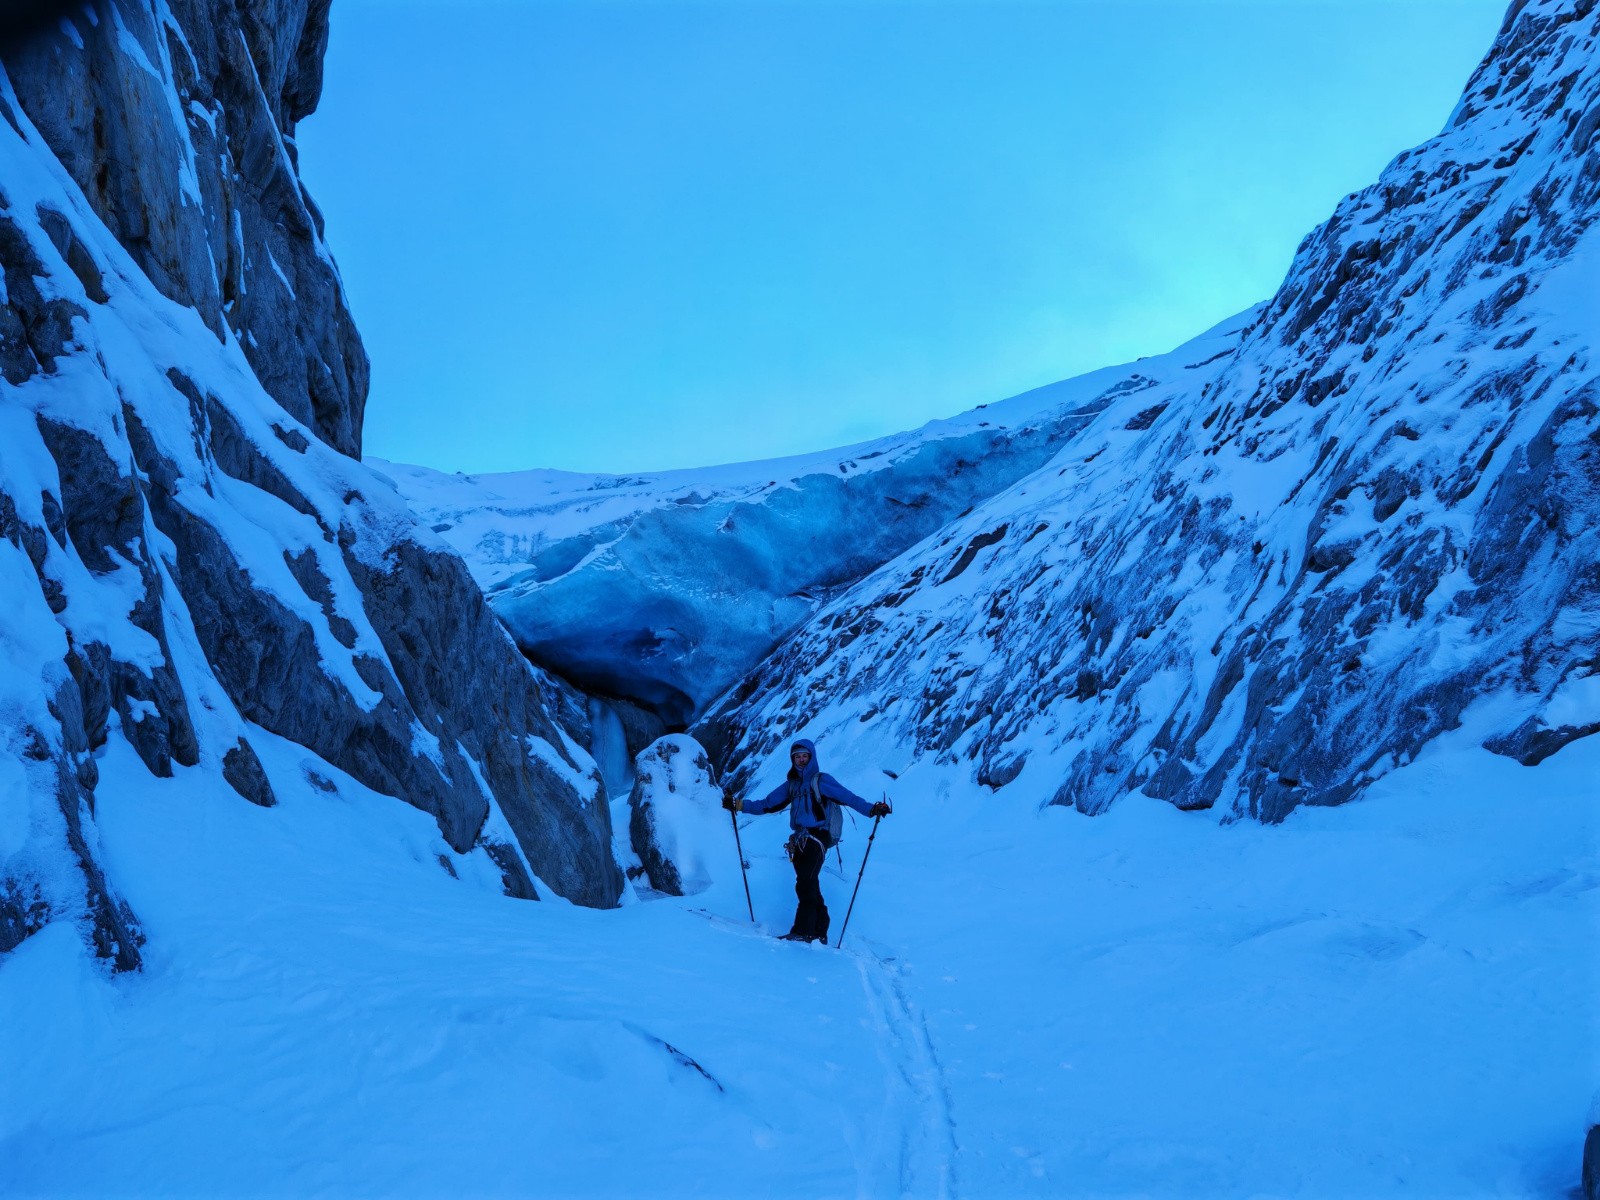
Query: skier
812	799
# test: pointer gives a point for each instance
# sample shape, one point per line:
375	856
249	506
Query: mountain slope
205	596
190	564
1271	580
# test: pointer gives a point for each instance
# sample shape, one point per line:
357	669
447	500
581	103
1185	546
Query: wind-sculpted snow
667	589
1267	579
190	569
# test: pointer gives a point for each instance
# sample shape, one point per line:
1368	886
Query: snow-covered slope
667	589
1388	999
190	566
1266	581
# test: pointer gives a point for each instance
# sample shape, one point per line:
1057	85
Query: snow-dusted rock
176	120
1267	576
677	825
191	561
1269	565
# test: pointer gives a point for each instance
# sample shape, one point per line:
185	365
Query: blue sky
625	236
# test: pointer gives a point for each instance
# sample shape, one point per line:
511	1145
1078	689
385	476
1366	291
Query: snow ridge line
928	1146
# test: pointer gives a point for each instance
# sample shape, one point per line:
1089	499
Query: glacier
665	589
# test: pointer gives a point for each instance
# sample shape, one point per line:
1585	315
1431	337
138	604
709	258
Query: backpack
832	812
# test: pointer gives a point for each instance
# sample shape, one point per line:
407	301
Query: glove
880	809
732	804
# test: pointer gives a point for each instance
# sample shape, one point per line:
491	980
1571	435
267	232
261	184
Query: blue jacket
806	796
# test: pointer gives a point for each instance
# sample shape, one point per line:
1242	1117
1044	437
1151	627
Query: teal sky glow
625	236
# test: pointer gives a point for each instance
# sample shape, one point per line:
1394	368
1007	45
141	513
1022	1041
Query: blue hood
812	769
808	794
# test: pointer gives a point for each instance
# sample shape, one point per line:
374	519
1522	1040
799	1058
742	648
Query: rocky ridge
1268	577
176	120
193	561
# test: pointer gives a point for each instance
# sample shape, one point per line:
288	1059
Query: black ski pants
811	914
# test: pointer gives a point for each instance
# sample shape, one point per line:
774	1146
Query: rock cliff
194	562
1264	577
176	121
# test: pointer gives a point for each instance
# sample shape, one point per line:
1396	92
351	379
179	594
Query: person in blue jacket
812	799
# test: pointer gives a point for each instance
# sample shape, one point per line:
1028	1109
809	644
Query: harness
796	845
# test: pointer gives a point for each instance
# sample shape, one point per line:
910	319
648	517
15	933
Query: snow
278	271
585	783
1389	998
128	42
14	824
1575	702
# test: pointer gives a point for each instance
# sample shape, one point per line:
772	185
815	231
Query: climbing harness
796	845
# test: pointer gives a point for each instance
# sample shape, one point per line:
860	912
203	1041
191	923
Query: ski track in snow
914	1144
925	1149
1203	1009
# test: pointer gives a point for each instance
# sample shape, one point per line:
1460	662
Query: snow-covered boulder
677	824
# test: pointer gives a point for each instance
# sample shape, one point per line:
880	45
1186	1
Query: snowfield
1395	997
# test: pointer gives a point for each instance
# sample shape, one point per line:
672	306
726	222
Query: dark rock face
185	149
461	673
243	771
1591	1164
640	727
1272	576
62	779
191	560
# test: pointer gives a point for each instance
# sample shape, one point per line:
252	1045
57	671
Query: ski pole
739	846
840	943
